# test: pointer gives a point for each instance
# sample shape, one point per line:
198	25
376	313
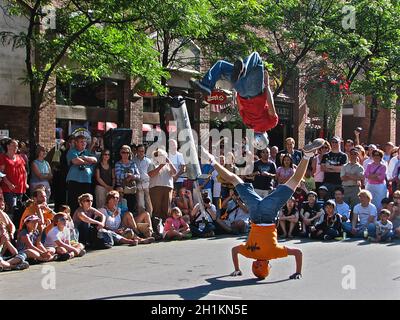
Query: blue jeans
264	210
390	234
251	82
347	226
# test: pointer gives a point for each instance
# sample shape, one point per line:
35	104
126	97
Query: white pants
378	191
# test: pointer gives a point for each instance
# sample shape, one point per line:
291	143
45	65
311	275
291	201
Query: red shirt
254	112
15	173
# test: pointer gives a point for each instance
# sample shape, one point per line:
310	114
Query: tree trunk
374	111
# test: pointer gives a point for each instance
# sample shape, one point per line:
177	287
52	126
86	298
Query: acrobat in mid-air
262	244
254	95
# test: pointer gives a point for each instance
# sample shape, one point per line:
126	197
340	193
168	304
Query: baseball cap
336	138
372	146
331	203
31	218
354	150
2	175
323	188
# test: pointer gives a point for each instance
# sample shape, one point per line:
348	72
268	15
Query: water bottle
202	224
344	235
366	233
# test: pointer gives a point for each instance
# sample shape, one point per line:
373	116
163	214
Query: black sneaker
200	87
295	276
238	69
63	257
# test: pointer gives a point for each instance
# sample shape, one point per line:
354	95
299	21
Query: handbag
130	187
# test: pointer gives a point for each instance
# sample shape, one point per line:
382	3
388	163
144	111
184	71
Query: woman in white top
316	164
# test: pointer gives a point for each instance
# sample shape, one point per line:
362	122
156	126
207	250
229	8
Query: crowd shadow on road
201	291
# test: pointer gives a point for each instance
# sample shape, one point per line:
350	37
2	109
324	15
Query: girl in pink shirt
175	227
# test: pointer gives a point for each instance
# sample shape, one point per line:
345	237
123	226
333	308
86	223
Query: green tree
97	37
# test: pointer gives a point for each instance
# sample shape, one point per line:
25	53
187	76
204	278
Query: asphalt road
199	268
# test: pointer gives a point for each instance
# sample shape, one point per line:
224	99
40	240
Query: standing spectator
393	171
104	178
143	192
161	173
127	175
316	164
176	227
348	145
352	175
274	153
60	172
229	164
395	215
284	172
217	186
384	228
376	175
41	172
341	207
289	219
309	180
364	217
206	184
369	159
310	213
296	154
264	171
179	163
81	170
331	164
330	226
361	154
388	148
14	184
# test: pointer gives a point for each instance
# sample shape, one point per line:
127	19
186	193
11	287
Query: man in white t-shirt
177	160
364	217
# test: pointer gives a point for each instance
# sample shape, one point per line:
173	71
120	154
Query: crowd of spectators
80	199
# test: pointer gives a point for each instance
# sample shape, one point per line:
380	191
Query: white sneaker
309	149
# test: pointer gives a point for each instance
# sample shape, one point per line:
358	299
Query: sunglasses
122	152
87	200
106	154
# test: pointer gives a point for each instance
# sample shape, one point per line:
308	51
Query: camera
82	167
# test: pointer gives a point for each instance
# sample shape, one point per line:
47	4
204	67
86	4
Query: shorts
263	210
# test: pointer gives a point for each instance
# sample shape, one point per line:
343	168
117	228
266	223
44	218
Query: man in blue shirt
81	170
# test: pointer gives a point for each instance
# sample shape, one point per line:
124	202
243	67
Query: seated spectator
74	233
237	215
323	195
310	213
125	225
330	226
59	239
284	172
175	227
395	216
300	195
184	201
7	230
341	207
289	219
89	220
41	172
202	223
384	228
39	208
29	243
364	217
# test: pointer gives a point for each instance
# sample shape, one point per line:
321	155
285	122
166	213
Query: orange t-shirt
33	210
262	244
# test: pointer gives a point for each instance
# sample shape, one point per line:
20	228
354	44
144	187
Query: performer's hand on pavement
236	273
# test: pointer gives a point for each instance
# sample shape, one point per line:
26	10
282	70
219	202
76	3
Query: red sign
217	97
146	93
